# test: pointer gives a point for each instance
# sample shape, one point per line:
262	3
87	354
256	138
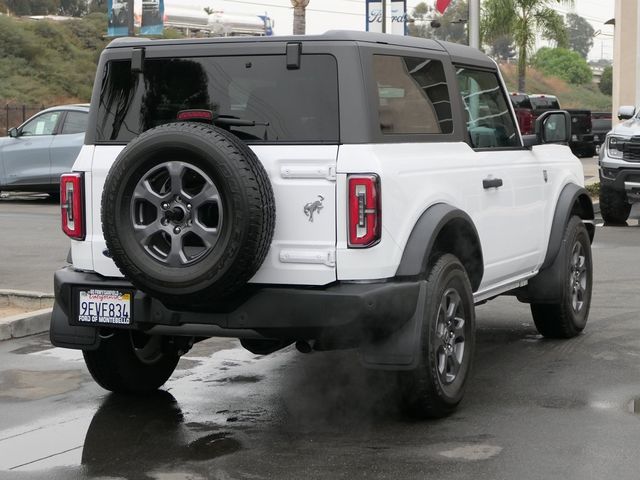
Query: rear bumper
348	310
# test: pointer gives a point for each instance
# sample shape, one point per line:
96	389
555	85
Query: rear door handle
492	182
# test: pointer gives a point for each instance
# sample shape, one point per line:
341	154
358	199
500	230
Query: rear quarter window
412	95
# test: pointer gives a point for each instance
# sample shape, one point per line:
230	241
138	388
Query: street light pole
384	16
474	23
130	22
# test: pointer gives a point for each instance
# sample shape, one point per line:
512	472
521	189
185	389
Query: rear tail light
71	205
527	123
365	213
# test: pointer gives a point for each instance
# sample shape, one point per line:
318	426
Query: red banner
441	5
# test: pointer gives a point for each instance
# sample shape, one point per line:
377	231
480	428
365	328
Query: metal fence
14	114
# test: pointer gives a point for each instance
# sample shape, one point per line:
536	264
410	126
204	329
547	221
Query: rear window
544	103
520	101
299	105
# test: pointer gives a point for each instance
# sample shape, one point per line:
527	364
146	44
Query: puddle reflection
129	436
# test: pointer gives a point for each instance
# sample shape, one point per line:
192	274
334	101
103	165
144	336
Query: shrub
563	63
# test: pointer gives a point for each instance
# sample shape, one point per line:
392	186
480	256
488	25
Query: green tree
606	81
580	34
502	48
19	7
44	7
98	6
450	27
33	7
563	63
73	8
523	19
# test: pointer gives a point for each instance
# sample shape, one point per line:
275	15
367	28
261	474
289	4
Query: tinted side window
299	105
412	95
75	122
41	125
489	120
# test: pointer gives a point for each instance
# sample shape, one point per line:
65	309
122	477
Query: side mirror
554	126
626	112
13	133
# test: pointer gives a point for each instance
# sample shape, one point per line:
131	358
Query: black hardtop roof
459	53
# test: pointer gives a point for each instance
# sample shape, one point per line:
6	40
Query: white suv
343	190
619	168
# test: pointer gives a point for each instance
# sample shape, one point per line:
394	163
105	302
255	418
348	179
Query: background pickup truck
600	126
529	107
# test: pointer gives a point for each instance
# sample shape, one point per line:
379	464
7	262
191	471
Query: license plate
596	137
110	307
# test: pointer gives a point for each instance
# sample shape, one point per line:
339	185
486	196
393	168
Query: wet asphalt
534	408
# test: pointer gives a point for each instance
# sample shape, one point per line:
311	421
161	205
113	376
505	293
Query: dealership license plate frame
104	296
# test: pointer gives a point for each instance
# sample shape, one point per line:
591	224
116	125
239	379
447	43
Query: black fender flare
573	200
421	242
546	286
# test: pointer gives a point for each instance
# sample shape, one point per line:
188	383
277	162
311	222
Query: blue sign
119	15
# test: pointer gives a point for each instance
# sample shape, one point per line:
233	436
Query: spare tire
188	213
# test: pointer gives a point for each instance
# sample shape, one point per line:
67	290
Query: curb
28	323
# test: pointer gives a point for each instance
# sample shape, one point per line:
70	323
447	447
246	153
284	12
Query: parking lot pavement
32	247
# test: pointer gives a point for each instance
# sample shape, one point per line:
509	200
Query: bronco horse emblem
312	207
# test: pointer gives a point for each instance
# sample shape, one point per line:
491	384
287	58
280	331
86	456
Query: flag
441	5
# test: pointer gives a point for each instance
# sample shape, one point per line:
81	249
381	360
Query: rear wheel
132	362
568	317
613	205
436	386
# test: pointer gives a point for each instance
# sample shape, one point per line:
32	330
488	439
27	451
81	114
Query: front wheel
436	386
132	362
613	205
568	317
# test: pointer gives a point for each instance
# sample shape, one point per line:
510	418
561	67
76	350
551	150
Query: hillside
569	96
48	62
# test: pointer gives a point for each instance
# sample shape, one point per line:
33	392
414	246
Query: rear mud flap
67	336
401	349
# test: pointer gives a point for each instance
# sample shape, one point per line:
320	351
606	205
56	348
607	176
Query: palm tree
299	22
523	19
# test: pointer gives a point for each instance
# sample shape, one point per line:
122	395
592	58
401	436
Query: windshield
297	105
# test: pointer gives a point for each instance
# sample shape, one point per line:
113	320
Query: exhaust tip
303	346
